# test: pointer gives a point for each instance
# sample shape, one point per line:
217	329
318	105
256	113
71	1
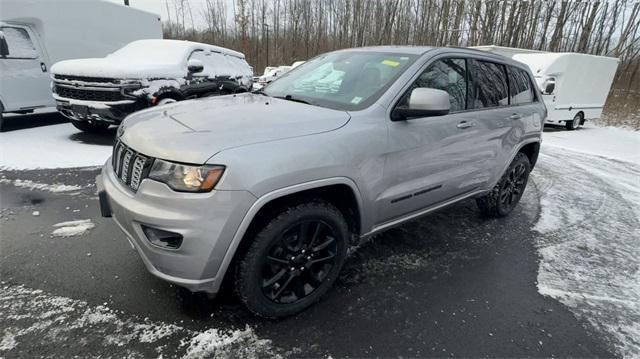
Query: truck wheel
575	123
504	197
1	120
293	260
90	127
165	101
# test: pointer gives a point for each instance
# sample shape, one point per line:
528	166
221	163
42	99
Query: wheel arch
168	92
339	191
532	150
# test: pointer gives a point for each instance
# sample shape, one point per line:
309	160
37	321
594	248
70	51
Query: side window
448	75
19	43
490	85
520	91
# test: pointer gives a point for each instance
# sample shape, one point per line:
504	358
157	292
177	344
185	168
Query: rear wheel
504	197
575	123
90	127
293	260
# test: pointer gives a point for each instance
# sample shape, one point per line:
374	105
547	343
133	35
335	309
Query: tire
1	120
282	272
575	123
90	127
504	197
165	101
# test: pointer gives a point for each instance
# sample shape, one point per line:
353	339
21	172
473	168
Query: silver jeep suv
269	188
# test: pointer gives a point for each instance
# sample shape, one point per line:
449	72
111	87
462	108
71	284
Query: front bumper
207	222
112	113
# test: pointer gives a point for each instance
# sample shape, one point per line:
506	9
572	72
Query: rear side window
19	43
490	85
447	75
520	91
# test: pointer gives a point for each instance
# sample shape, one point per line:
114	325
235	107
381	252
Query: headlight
186	178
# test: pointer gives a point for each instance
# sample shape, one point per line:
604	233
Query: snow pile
72	228
590	229
54	188
214	343
33	320
49	147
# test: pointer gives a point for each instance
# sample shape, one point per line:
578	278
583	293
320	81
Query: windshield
341	80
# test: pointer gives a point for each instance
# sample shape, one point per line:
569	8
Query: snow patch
55	188
49	147
72	228
34	319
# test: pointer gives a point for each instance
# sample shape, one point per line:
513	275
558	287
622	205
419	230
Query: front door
434	159
25	81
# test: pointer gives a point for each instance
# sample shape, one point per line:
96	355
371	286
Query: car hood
116	68
193	131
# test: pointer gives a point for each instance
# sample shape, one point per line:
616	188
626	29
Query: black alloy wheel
297	264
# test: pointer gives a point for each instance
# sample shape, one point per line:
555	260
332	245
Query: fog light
162	238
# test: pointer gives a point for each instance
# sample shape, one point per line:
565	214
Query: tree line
279	32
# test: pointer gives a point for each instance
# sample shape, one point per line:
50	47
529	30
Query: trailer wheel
575	123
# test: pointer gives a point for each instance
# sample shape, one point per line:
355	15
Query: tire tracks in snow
590	241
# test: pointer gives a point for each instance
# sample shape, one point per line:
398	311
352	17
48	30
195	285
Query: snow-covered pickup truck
97	93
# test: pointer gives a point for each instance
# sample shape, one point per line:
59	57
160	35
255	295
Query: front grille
103	80
89	95
129	166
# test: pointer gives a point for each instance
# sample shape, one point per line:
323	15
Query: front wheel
90	127
504	197
293	260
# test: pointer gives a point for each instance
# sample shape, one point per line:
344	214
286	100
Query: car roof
187	46
416	50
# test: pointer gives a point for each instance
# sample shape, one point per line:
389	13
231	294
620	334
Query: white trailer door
24	75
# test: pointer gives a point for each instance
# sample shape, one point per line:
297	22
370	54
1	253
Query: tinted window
19	42
520	90
490	84
448	75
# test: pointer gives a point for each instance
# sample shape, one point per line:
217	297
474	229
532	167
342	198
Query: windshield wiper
291	98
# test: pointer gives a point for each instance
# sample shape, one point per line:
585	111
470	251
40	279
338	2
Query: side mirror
194	66
4	47
549	87
423	102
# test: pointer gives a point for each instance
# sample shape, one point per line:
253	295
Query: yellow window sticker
390	63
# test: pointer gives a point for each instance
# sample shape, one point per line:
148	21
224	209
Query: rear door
26	82
495	115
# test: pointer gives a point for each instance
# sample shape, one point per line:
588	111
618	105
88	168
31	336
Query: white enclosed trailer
39	33
574	86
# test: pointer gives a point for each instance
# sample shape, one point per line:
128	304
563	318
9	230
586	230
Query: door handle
515	116
43	67
465	124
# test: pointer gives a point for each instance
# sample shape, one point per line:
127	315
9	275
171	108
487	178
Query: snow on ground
589	248
34	319
72	228
54	146
54	188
